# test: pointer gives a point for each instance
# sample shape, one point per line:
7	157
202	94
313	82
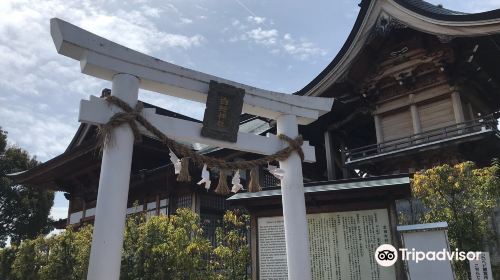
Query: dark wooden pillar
343	158
70	205
157	205
84	210
330	156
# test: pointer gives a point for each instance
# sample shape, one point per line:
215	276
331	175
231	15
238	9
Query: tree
3	140
58	257
24	210
232	254
69	255
7	258
464	196
31	256
163	247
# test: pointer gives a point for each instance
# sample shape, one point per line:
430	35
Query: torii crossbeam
130	70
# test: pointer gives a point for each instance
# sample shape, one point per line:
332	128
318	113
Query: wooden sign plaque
222	112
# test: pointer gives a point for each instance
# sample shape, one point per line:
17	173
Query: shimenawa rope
132	115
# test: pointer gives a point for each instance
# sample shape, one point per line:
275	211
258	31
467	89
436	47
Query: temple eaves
415	14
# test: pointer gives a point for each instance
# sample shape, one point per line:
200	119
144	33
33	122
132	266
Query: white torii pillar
112	196
130	70
294	206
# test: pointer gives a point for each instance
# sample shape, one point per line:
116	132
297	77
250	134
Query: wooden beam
330	156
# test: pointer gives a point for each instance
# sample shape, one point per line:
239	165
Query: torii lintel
103	59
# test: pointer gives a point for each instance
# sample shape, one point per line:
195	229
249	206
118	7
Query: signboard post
130	70
427	238
481	269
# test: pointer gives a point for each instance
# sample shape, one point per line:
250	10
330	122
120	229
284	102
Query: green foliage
3	140
68	257
165	248
464	196
24	211
156	248
31	256
7	257
232	255
60	257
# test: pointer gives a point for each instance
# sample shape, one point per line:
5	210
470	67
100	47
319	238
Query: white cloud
174	40
234	39
38	130
275	51
39	89
299	49
174	9
257	20
150	11
302	49
262	36
140	34
186	20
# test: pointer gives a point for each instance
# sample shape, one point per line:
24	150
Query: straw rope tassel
184	173
222	187
254	185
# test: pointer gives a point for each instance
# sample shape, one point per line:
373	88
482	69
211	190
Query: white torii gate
130	70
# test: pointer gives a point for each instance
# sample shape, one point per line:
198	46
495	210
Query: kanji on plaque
222	113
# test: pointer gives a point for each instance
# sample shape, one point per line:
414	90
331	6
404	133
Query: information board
481	269
342	245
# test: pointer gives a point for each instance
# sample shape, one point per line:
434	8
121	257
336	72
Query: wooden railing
461	129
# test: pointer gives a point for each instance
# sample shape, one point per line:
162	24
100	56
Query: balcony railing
425	138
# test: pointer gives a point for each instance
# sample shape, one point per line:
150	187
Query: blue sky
276	45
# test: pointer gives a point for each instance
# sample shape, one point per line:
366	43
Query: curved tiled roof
426	9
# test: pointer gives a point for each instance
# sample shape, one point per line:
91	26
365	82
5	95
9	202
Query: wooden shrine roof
393	186
416	14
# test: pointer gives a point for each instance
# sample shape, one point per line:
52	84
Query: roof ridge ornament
386	23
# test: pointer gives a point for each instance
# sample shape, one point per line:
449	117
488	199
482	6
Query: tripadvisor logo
387	255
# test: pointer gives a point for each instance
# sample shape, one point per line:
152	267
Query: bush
156	248
165	248
232	254
7	257
464	196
